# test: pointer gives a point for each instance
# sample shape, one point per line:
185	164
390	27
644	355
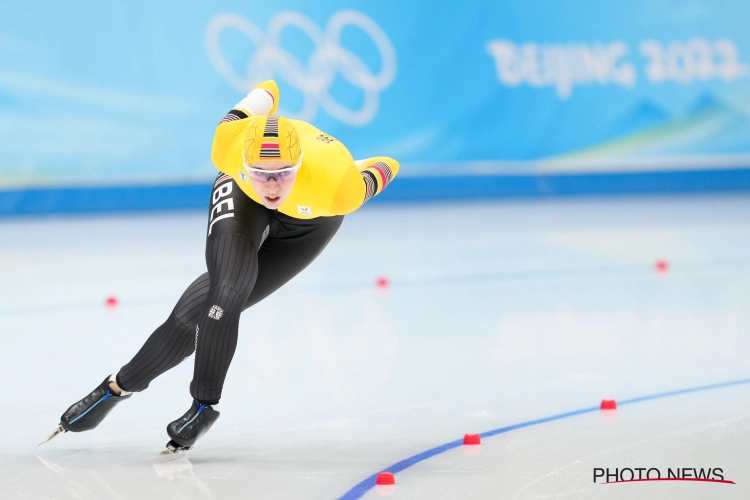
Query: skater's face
276	189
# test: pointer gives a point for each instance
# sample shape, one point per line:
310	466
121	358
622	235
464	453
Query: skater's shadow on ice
175	469
182	470
219	459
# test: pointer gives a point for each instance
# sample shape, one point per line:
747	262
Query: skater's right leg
172	342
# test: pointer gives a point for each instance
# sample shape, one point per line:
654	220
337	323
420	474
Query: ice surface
497	313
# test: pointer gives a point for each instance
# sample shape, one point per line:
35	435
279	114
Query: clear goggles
280	175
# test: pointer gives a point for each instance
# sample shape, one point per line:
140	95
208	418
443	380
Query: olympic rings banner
122	93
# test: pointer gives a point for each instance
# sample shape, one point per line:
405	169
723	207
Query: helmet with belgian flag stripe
271	138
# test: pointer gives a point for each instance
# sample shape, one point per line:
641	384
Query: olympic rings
314	80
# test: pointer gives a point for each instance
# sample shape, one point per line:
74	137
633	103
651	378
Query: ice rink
497	314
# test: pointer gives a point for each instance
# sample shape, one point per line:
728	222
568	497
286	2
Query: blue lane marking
683	391
364	486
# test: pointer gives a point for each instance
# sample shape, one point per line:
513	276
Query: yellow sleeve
226	136
366	178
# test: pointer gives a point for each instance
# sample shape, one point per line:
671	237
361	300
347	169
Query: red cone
472	439
608	404
661	266
385	478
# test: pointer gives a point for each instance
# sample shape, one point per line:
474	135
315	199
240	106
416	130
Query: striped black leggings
251	251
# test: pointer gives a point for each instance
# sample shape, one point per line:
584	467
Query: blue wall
112	106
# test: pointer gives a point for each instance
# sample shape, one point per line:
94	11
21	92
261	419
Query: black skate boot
187	429
89	411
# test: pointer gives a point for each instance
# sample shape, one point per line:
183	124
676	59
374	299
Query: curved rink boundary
367	484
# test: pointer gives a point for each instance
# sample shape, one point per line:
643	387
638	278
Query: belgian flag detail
234	115
376	177
270	150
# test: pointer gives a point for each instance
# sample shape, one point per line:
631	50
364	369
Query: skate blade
169	455
57	431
